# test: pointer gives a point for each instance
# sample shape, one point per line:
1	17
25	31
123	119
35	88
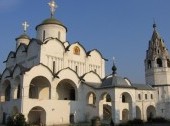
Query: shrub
135	121
10	121
16	120
19	120
159	120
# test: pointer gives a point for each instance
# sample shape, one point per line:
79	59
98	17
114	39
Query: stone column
133	110
25	84
115	111
100	109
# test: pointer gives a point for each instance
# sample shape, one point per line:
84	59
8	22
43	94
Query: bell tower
157	71
157	62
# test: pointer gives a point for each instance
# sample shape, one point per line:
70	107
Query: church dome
23	36
115	81
51	21
51	27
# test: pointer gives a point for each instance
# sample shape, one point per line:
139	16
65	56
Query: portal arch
37	116
150	112
105	106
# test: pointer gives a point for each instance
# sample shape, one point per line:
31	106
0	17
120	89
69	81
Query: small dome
51	21
115	81
23	36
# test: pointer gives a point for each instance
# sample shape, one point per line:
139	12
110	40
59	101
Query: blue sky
119	28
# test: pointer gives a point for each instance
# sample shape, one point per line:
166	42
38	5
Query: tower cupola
157	53
114	68
24	38
51	27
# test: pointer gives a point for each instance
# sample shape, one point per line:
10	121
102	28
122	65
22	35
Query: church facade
52	81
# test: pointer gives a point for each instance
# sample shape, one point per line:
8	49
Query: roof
100	86
22	68
142	86
113	81
51	21
156	44
117	81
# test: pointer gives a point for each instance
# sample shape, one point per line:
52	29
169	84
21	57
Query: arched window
151	96
76	50
149	64
43	35
108	98
18	92
59	35
146	96
123	99
159	62
76	69
168	62
139	96
91	97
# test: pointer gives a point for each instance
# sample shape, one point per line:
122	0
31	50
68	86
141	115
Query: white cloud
8	4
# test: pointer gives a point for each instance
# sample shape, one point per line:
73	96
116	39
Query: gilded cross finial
25	26
53	7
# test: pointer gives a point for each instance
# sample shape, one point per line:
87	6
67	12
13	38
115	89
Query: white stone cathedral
52	81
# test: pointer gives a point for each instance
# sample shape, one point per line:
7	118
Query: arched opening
6	91
126	105
37	116
126	97
149	64
91	98
40	88
159	62
125	115
151	112
138	112
106	109
67	90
